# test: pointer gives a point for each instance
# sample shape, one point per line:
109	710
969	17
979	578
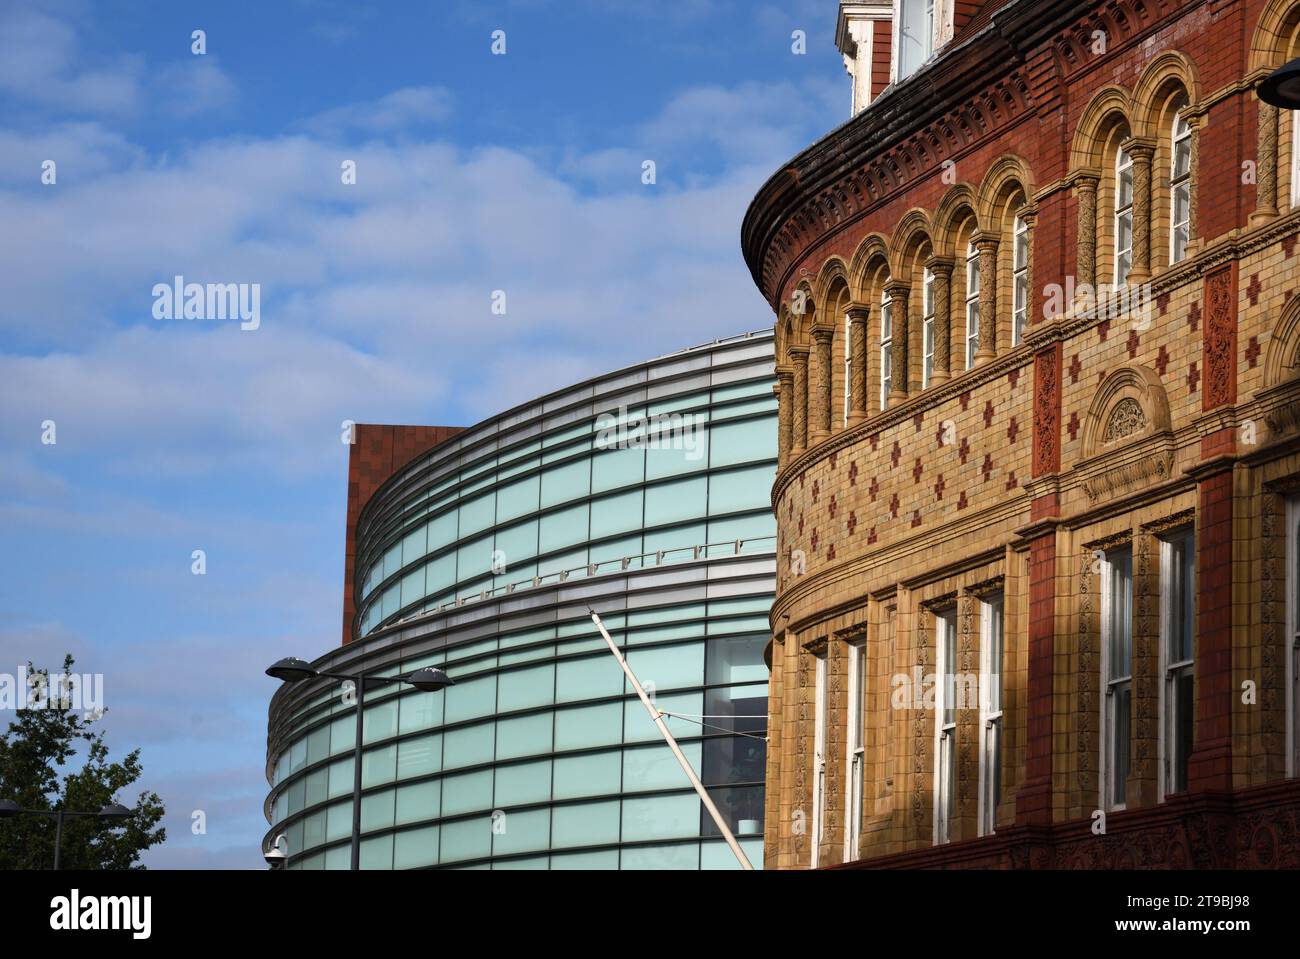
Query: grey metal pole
360	688
58	836
685	763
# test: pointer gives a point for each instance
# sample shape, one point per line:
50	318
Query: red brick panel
1210	763
377	453
1034	800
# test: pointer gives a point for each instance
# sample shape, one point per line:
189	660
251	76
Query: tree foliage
38	753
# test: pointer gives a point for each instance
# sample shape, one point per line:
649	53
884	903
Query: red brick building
1038	353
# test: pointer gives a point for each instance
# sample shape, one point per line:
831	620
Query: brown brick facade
1061	460
377	452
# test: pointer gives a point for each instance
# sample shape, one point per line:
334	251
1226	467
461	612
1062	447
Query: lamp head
430	679
1281	88
291	669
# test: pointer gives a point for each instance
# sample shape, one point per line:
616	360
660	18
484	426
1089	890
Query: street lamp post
113	812
294	670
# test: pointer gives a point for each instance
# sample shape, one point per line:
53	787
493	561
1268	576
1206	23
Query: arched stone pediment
1130	404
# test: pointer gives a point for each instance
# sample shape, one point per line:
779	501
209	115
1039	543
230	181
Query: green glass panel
419	710
655	767
742	441
615	468
377	810
417	802
469	746
589	726
518	498
600	859
515	832
380	721
741	489
523	688
378	766
595	774
419	756
468	839
413	848
675	856
471	699
442	531
661	817
588	678
474	559
338	822
377	853
467	792
668	667
585	824
567	482
413	545
522	784
564	528
524	736
616	514
477	514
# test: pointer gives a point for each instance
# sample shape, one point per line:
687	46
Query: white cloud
398	111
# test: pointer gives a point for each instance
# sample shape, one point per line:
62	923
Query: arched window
886	349
1019	279
1123	216
972	302
927	327
1180	189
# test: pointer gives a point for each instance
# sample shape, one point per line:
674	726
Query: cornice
1004	73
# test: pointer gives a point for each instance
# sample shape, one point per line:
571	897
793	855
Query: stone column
987	244
1141	153
859	323
1265	164
785	412
799	359
819	427
898	294
1085	193
941	267
1193	243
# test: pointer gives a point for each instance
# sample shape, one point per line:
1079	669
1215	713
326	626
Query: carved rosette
1126	418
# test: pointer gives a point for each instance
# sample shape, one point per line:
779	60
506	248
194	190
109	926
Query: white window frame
972	302
1293	636
819	756
1172	670
1019	279
945	727
1113	685
1180	184
886	349
927	40
927	327
855	754
1123	215
992	632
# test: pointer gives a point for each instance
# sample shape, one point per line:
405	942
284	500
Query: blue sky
475	173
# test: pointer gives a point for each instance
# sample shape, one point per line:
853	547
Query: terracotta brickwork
377	452
1042	448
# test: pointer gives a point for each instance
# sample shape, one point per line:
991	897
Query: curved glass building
644	495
